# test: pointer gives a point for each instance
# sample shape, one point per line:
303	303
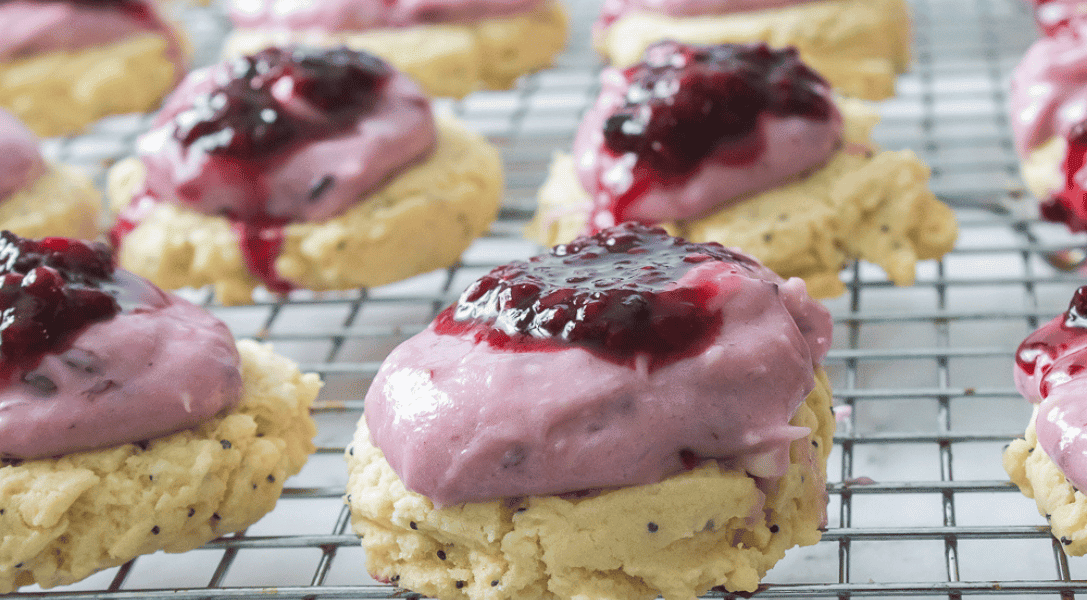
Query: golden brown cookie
62	202
68	517
1038	477
448	59
859	46
58	93
420	221
872	205
680	537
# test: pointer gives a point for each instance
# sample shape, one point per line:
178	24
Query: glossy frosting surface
159	366
1049	88
614	9
32	27
776	148
461	421
1049	372
21	161
357	15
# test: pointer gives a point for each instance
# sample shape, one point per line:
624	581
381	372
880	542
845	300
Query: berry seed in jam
1069	205
613	293
49	291
245	117
686	102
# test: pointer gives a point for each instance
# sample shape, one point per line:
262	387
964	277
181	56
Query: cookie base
1038	477
706	527
68	517
420	221
860	46
62	202
446	60
59	93
874	206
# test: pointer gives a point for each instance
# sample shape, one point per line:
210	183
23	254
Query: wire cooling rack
919	503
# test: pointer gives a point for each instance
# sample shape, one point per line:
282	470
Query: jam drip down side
1069	204
278	137
614	293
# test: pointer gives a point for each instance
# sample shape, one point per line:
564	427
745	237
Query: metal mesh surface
925	371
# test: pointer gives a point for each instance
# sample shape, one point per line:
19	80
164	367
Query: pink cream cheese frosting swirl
1050	366
21	161
465	416
693	129
1049	88
153	365
612	10
360	15
32	27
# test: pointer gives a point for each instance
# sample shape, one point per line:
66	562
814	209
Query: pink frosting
35	26
791	146
460	421
1049	88
358	15
393	135
161	367
612	10
21	161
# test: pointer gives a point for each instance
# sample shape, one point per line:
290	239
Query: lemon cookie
130	420
449	49
577	425
791	177
67	63
860	46
372	192
37	198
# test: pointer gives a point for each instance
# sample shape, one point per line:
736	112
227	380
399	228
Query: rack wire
919	503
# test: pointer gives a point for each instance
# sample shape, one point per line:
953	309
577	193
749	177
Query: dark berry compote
614	293
230	130
685	107
53	288
1069	204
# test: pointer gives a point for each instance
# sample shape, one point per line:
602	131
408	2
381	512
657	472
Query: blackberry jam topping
613	293
245	116
49	291
686	102
1069	205
1054	339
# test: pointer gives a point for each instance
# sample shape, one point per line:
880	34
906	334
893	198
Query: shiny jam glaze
51	290
614	293
688	109
1069	204
255	116
1050	364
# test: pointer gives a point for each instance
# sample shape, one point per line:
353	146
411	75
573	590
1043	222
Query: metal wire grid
919	503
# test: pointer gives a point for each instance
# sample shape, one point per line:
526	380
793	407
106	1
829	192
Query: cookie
445	59
677	538
873	205
449	199
65	518
76	62
62	202
860	46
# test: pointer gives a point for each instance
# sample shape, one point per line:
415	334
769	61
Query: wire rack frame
919	504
